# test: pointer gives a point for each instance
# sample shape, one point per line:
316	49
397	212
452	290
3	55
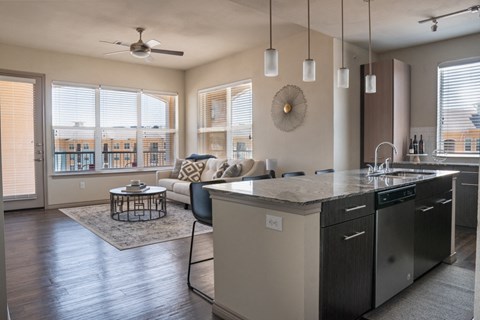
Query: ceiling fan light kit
140	49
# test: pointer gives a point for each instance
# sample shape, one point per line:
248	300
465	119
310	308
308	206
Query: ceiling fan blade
116	42
116	52
175	53
152	43
149	59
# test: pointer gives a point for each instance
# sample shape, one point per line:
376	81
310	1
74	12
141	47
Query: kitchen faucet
375	167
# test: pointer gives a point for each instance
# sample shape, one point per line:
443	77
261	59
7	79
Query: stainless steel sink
407	174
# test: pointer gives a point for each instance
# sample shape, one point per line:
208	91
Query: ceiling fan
142	49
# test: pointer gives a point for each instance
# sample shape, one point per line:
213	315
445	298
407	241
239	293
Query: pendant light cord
270	24
369	39
343	62
308	15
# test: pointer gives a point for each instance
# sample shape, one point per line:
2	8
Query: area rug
126	235
445	293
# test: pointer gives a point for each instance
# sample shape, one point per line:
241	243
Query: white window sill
109	172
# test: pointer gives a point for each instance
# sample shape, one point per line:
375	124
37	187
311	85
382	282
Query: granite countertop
312	189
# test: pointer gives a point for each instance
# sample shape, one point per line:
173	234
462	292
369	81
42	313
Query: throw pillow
233	171
176	169
218	174
196	157
191	171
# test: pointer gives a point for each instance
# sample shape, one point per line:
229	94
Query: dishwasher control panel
392	196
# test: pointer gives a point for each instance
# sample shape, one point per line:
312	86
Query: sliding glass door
21	113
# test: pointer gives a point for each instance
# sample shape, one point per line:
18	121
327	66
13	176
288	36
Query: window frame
138	149
444	142
229	128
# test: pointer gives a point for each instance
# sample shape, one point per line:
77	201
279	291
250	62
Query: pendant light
271	55
370	79
343	73
308	64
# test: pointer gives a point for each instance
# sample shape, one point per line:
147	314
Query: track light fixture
434	27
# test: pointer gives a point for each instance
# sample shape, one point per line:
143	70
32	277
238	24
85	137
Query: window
103	119
458	123
225	121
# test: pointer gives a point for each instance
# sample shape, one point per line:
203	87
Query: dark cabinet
385	115
466	195
466	201
433	224
346	272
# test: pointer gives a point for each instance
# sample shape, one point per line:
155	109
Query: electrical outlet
82	184
274	222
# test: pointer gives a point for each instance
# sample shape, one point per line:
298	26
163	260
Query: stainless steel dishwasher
394	230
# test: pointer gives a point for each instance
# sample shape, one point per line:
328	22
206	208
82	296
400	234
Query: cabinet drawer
345	209
434	187
467	179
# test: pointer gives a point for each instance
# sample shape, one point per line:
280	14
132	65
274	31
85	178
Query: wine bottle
415	144
410	146
420	145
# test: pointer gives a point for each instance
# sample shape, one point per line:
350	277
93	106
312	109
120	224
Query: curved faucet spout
375	167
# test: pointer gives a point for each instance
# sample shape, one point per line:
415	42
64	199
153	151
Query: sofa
179	189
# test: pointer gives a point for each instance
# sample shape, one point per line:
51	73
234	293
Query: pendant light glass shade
343	77
271	62
308	64
370	79
271	55
370	83
308	70
343	73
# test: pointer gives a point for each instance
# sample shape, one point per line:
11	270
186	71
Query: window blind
17	113
225	121
134	128
459	107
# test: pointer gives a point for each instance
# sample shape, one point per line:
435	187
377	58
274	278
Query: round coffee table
147	205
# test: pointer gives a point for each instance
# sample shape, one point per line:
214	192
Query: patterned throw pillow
233	171
176	169
218	174
191	171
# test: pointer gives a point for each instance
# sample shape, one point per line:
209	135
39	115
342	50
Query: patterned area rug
126	235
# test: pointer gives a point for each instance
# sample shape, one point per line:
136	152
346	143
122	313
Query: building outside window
146	117
225	121
86	146
458	122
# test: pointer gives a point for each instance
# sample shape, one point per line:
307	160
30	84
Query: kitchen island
269	240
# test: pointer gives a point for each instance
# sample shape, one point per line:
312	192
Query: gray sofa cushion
167	183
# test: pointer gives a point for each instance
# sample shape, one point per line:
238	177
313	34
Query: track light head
434	25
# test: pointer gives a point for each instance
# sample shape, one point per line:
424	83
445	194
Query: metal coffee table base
138	207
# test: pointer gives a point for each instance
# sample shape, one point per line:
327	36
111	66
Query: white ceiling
207	30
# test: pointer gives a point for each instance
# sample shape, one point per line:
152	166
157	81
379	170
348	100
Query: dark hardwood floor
57	269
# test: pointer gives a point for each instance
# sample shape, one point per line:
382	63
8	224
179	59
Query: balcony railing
85	160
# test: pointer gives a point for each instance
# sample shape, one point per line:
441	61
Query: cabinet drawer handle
469	184
444	201
355	208
425	209
356	234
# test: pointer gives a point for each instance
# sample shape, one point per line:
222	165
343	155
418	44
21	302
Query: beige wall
72	68
309	146
424	61
346	118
